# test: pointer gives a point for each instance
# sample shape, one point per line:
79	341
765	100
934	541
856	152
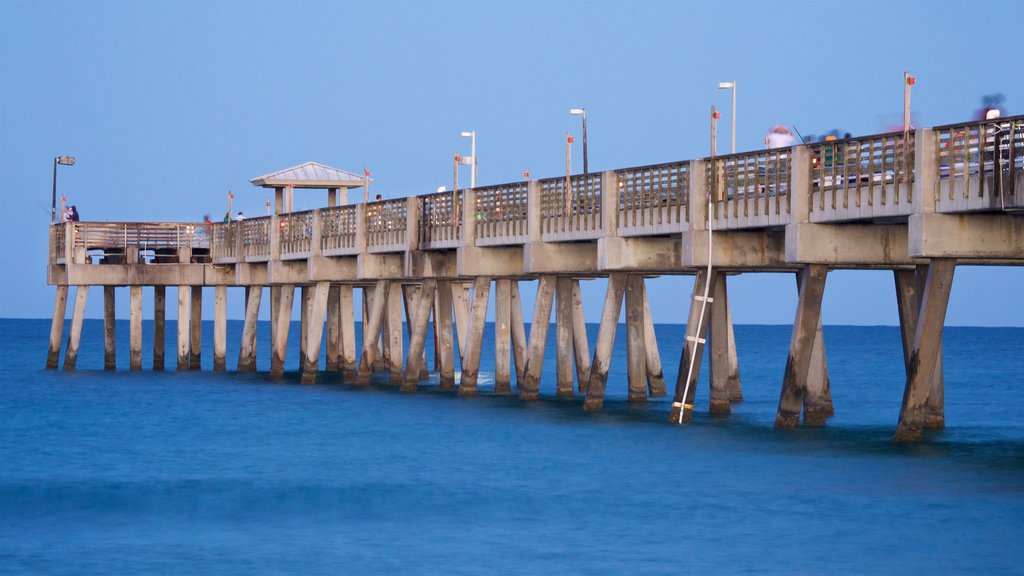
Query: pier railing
653	199
338	226
256	238
751	190
981	165
222	242
386	225
58	243
440	224
296	234
571	208
501	214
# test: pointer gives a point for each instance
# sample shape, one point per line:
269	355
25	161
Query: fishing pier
918	203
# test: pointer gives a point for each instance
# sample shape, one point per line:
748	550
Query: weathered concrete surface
967	236
560	258
847	244
743	249
490	261
645	254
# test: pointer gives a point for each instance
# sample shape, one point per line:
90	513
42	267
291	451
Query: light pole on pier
583	112
471	134
732	86
63	161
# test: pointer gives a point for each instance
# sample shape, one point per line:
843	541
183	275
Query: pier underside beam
60	302
538	337
801	350
927	343
605	339
475	337
693	348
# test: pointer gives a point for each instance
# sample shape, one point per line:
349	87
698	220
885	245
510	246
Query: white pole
733	116
473	152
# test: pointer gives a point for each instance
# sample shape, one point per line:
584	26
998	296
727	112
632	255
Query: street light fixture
63	161
582	112
731	86
472	158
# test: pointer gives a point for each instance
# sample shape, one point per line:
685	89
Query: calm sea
227	473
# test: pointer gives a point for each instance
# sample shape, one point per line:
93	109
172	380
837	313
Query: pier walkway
916	203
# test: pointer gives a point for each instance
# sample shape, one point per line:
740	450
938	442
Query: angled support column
720	373
801	350
394	320
931	316
75	336
315	331
909	290
518	329
135	328
538	338
109	331
333	328
348	331
412	300
220	327
418	337
60	304
247	350
279	347
196	329
735	385
580	344
655	375
636	357
475	337
444	343
184	334
461	302
693	348
275	305
563	337
305	303
371	343
502	336
605	340
159	326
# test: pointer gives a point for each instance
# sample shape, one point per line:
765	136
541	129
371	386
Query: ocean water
227	473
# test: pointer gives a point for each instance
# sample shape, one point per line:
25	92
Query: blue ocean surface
228	473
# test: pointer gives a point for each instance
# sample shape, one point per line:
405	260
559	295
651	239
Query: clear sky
168	105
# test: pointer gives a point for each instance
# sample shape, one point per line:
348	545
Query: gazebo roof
310	175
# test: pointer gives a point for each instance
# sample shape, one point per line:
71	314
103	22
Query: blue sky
168	105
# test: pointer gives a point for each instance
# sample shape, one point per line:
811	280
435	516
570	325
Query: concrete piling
418	337
475	337
636	357
563	337
371	343
395	340
247	350
580	344
196	329
605	339
333	359
220	327
518	330
655	374
75	335
801	350
184	334
538	338
135	328
159	326
315	331
502	335
279	346
109	334
444	342
693	348
60	302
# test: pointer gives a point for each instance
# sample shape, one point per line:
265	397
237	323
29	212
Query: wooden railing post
610	203
697	205
926	171
469	213
314	235
533	211
412	223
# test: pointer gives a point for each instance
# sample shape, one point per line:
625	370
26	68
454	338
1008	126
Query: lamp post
583	112
63	161
731	86
472	151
